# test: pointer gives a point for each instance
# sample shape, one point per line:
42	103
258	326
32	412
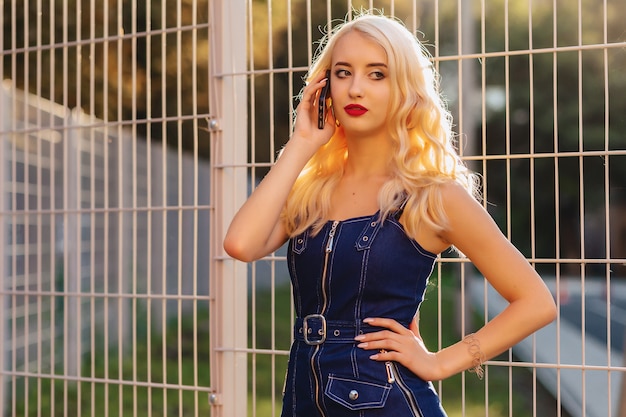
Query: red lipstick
355	109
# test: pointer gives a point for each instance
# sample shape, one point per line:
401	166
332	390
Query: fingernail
359	337
362	345
368	320
374	357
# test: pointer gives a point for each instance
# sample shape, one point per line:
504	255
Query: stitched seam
413	242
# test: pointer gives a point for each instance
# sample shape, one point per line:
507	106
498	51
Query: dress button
353	395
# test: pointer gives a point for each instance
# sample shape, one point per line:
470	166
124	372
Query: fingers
308	108
387	349
384	355
312	89
307	123
390	324
390	340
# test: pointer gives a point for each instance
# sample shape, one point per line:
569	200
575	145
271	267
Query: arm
531	305
256	229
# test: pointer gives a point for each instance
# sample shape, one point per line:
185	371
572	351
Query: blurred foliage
544	102
131	62
557	103
120	60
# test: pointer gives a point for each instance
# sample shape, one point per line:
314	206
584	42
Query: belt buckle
321	332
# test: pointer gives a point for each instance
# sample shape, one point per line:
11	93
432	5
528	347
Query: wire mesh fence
131	132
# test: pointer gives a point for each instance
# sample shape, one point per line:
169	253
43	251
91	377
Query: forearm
516	322
252	228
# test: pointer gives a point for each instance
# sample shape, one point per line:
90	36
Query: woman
367	202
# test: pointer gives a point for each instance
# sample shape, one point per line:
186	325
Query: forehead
355	47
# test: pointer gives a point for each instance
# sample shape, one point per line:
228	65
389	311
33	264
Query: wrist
478	357
302	144
440	370
465	355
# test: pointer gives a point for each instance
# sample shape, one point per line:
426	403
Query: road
579	367
596	314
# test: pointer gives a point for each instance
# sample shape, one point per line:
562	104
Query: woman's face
360	85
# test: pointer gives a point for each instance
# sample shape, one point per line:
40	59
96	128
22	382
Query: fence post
622	396
228	278
72	248
6	115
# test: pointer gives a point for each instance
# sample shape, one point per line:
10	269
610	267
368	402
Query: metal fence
534	88
100	231
117	298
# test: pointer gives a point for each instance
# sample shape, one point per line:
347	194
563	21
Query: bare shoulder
469	227
454	201
467	219
453	196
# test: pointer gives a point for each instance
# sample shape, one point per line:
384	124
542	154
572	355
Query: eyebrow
373	64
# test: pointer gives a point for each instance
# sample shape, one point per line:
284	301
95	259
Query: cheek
384	102
337	90
384	94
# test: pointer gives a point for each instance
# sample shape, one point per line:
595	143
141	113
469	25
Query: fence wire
130	132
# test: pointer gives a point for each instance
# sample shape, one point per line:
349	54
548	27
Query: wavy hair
420	129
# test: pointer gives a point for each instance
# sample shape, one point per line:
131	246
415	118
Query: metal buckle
321	332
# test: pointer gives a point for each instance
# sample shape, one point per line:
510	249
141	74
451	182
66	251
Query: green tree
567	114
561	117
130	62
120	60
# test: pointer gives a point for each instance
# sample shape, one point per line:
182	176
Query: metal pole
467	122
228	278
6	113
622	397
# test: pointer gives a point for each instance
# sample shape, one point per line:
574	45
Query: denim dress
351	270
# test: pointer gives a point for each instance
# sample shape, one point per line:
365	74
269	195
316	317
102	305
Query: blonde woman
367	202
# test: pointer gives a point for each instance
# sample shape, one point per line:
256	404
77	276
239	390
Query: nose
356	87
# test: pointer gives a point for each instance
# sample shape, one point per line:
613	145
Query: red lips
355	109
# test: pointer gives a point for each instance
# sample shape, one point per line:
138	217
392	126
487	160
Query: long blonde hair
420	129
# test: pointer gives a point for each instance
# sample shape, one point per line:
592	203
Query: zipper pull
391	378
390	375
331	236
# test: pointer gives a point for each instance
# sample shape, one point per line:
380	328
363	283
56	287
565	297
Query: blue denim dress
351	270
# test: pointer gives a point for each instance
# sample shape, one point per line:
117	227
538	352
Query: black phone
321	106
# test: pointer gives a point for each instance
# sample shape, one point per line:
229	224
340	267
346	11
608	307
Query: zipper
392	368
329	246
328	250
391	378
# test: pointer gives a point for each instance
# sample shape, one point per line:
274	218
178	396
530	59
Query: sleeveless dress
351	270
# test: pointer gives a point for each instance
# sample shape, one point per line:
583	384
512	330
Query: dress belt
314	329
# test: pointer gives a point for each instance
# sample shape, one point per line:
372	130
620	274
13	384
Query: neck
368	157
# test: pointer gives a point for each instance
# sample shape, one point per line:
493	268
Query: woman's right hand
307	114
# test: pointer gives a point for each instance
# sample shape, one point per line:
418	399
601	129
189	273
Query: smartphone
321	106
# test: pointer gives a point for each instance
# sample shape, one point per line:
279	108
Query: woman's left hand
402	345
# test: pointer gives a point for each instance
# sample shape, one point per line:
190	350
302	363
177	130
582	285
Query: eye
342	73
378	75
